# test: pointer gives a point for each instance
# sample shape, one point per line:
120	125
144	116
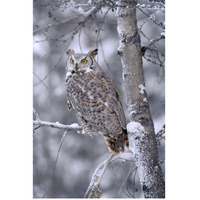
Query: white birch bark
141	128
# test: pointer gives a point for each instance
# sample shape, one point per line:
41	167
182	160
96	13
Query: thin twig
101	43
36	128
149	17
79	40
76	30
126	179
100	27
93	190
55	163
41	81
54	49
133	184
52	69
113	170
45	28
154	41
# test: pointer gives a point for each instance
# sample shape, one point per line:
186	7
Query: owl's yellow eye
71	61
84	61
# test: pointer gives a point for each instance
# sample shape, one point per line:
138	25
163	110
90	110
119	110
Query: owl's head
80	62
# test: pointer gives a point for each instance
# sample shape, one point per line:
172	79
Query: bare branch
76	30
150	57
54	167
40	81
126	179
151	42
52	69
45	28
74	127
100	27
152	19
93	190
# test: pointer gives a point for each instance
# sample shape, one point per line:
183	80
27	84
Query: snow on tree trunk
140	128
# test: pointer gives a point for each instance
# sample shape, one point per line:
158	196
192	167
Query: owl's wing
119	110
109	96
115	103
95	98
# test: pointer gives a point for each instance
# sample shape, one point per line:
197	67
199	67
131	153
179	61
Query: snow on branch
58	125
39	123
133	127
159	4
93	190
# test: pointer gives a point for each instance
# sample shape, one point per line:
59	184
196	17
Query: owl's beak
76	67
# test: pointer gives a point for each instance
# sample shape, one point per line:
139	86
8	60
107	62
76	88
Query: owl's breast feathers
96	100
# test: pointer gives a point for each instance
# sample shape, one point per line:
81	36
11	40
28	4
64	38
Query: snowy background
81	154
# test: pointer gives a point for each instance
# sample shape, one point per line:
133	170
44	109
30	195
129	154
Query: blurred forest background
83	25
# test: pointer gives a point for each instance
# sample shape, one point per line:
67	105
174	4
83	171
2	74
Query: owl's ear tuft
70	52
93	53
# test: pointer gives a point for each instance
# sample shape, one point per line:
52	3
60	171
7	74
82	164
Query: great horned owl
92	93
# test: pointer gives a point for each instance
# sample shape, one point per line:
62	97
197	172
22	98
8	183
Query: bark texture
141	128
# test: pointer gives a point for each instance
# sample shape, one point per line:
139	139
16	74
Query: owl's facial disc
79	63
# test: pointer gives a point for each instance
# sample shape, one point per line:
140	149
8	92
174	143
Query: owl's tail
117	142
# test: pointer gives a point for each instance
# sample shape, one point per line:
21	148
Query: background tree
83	25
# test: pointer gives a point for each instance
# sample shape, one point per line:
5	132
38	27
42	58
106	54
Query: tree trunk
141	128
